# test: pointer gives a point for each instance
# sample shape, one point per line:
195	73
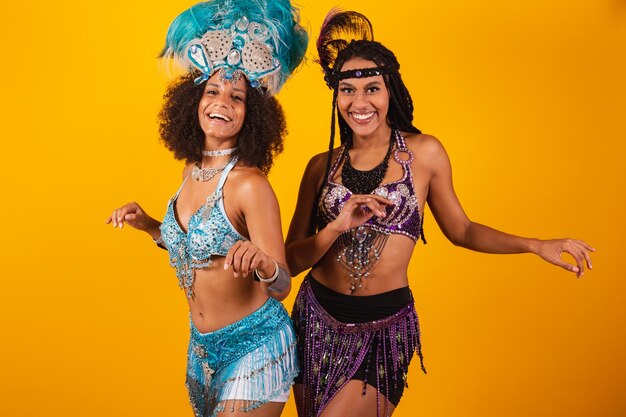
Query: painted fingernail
226	265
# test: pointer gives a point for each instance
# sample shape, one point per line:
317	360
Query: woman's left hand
245	257
551	251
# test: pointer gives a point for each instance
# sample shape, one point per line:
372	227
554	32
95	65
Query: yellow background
529	99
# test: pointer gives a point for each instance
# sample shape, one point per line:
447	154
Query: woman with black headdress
358	218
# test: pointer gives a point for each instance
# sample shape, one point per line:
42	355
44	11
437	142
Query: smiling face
222	108
363	102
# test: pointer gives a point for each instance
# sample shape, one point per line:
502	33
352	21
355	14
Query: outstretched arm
135	216
461	231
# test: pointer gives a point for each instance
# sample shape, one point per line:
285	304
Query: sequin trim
403	217
210	233
331	352
254	358
358	250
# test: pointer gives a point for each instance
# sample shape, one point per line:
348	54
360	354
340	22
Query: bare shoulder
316	167
318	162
421	143
248	180
186	170
427	149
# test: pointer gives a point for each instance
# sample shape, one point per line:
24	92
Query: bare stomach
389	272
221	299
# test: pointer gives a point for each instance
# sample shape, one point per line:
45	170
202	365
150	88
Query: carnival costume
344	337
254	359
210	233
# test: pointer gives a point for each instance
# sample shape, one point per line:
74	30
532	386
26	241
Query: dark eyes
215	93
369	90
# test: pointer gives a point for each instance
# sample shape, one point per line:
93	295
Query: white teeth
219	116
363	116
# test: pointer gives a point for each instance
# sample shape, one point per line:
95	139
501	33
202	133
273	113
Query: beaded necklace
364	182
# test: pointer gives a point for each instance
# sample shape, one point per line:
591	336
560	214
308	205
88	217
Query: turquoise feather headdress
260	39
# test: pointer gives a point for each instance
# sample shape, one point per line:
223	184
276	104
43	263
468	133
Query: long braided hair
344	36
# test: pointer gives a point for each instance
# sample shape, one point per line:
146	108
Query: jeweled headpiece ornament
259	39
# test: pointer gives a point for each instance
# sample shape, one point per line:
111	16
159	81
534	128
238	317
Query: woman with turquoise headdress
222	227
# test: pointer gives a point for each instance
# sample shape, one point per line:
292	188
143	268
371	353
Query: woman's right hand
359	209
133	214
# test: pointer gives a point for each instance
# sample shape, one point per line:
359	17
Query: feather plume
288	39
338	30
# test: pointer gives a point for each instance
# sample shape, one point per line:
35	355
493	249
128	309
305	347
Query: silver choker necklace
205	174
219	152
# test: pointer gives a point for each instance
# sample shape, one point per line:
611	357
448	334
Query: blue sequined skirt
253	360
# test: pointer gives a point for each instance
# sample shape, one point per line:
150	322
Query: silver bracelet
282	282
270	279
159	240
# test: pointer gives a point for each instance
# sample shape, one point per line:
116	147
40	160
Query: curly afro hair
260	139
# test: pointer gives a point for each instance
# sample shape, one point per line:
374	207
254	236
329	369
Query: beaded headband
332	78
261	40
361	73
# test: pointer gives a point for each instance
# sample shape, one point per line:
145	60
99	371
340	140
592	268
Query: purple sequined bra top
401	218
359	249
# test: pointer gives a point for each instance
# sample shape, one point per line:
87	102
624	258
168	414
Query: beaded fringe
358	251
331	352
256	378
